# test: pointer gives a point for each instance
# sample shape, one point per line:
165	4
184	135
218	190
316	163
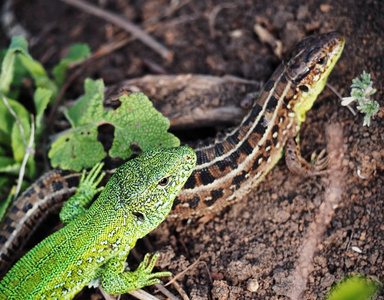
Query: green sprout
355	287
361	92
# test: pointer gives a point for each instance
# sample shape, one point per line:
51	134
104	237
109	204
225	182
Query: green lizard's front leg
115	281
87	189
96	242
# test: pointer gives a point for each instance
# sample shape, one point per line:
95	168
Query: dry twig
167	293
324	216
142	295
28	148
182	273
125	24
28	151
212	16
340	97
182	293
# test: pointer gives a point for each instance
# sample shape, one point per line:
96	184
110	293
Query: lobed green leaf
136	123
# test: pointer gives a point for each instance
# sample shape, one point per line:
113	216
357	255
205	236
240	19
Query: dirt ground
249	250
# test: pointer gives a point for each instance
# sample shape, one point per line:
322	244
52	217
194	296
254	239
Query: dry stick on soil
182	273
142	295
317	229
340	97
28	151
212	16
167	293
125	24
178	288
103	50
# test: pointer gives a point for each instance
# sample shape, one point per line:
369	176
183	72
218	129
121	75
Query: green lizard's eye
164	181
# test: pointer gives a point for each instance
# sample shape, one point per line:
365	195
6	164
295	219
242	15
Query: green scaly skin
95	243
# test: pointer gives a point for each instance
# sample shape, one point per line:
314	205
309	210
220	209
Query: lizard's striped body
226	169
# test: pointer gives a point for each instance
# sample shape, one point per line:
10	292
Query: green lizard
95	243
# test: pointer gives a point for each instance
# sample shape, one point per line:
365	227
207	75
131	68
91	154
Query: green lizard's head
309	67
150	183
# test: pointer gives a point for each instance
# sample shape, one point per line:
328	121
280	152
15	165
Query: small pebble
252	285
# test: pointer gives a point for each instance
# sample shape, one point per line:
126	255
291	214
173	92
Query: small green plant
355	287
361	92
19	129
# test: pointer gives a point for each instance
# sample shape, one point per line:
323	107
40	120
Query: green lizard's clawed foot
91	181
146	267
83	197
116	283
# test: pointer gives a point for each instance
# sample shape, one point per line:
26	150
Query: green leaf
19	48
39	74
18	44
17	142
4	204
355	287
41	98
89	108
7	120
136	122
77	52
8	165
78	149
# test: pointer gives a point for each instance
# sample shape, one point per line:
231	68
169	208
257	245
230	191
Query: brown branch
125	24
167	293
202	100
324	216
213	14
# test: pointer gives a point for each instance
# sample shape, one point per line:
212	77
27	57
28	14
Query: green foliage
4	204
136	122
76	52
19	49
16	65
361	92
355	287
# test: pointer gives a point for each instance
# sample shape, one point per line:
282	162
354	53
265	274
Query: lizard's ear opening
139	215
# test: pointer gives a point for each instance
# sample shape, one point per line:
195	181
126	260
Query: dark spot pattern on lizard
194	201
269	85
257	162
215	194
238	179
190	184
27	206
219	150
206	177
29	192
57	185
272	104
253	115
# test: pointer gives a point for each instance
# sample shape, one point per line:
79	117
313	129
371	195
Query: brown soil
256	240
